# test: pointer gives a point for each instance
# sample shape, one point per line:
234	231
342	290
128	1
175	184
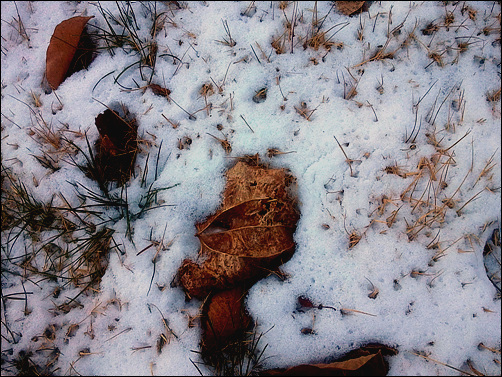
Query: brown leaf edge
62	47
350	8
365	361
117	145
224	318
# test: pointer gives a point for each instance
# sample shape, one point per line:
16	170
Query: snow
443	313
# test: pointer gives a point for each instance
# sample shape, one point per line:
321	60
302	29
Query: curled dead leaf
117	144
62	49
364	361
247	238
224	316
250	235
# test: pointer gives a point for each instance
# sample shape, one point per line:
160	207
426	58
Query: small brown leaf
348	8
307	331
62	49
260	96
224	317
160	91
116	146
364	361
305	302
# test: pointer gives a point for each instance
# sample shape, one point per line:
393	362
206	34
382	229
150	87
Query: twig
370	105
441	363
349	161
246	123
123	331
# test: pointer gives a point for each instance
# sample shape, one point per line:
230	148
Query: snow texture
434	296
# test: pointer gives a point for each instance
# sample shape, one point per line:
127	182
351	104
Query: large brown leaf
62	48
364	361
251	234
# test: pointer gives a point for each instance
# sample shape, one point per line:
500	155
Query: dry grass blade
441	363
120	333
487	168
348	311
230	42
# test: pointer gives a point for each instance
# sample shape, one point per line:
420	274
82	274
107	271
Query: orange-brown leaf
62	48
251	233
253	212
159	90
364	361
349	7
250	242
224	317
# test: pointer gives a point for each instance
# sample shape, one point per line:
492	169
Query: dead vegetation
257	210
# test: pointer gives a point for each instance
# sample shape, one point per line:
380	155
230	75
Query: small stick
439	362
347	159
123	331
254	52
376	118
293	20
246	123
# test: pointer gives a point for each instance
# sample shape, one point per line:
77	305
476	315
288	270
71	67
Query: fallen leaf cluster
247	238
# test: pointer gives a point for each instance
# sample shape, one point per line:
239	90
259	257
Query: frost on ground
389	119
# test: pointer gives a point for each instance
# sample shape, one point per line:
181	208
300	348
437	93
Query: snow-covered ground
392	128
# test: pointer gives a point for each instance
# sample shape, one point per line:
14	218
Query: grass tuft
241	357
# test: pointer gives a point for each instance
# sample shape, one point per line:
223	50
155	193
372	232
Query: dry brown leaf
250	241
349	7
250	234
117	144
223	317
62	48
365	361
159	90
